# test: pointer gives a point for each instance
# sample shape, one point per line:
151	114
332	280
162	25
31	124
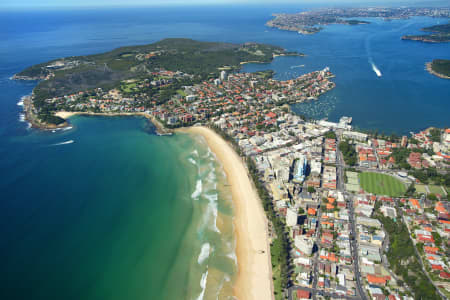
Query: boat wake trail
370	59
63	143
375	69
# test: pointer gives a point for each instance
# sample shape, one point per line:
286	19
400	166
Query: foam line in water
198	190
212	209
203	285
204	253
192	161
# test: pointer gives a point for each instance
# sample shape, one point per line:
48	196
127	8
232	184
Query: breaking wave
198	190
204	253
212	210
203	285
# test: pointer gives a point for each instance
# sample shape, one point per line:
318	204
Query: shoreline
254	277
34	122
160	129
432	72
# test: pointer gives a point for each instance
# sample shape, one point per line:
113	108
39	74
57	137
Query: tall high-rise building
223	75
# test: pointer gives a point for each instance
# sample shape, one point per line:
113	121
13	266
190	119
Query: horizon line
370	3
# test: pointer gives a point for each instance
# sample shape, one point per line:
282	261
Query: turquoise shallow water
108	210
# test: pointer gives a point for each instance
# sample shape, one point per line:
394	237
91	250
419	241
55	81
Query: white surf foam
232	255
64	143
198	190
192	161
212	210
204	253
67	128
20	103
195	153
203	285
211	177
22	118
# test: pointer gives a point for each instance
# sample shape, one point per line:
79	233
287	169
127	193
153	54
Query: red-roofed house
372	279
302	294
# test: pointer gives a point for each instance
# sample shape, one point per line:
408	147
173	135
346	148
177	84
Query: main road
353	244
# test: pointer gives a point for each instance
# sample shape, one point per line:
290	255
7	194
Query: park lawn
420	188
381	184
435	189
181	93
127	88
275	249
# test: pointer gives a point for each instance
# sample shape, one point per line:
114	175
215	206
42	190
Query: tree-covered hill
202	59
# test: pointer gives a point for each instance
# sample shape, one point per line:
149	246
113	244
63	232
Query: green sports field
381	184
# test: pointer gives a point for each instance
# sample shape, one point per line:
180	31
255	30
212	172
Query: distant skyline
113	3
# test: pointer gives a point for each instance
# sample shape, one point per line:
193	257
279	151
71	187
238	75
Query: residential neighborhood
334	189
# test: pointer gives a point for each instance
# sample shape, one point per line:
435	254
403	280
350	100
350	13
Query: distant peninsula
311	22
438	34
162	81
141	76
439	68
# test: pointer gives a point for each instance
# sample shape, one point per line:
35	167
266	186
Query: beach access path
254	278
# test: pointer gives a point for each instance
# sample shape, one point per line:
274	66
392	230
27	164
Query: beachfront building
304	244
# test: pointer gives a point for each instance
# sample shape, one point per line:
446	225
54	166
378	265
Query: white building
291	217
353	135
223	75
190	97
304	244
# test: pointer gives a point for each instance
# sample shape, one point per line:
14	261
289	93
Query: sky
111	3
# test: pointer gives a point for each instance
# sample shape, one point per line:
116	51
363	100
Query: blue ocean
109	210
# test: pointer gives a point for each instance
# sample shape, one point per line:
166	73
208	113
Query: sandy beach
254	278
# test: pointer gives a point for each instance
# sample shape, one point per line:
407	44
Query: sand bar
254	278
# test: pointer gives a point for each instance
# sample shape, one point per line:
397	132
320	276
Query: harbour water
109	210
